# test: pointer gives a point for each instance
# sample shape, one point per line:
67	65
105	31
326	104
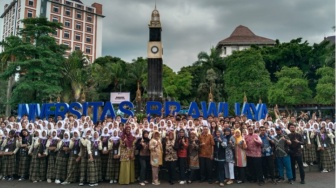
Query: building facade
242	38
82	24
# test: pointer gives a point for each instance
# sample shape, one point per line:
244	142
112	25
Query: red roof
244	36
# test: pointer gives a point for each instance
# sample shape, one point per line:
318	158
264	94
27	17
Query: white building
242	38
82	24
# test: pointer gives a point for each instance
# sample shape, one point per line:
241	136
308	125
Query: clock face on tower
155	49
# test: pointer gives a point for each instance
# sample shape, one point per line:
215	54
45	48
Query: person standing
144	156
267	155
324	143
193	155
10	148
182	151
62	158
155	148
206	154
281	143
127	146
219	156
253	153
26	141
229	157
240	154
170	155
296	152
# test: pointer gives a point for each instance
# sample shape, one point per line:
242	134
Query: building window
88	50
88	39
78	26
89	18
89	9
78	37
67	23
66	34
31	3
224	50
66	44
79	15
55	19
67	12
68	3
79	6
77	47
30	14
88	29
55	8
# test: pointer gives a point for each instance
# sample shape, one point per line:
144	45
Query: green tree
246	73
290	89
325	89
39	62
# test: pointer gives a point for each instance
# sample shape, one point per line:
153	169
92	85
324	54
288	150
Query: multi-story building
242	38
82	24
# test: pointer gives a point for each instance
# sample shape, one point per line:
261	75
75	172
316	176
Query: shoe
311	164
10	179
111	181
324	170
182	182
142	184
216	182
65	183
96	184
91	184
290	182
146	182
189	181
229	182
81	184
21	179
303	182
221	184
35	181
4	178
156	183
305	165
115	181
239	181
57	181
49	180
296	166
279	180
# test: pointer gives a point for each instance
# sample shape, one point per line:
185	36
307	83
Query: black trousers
254	168
144	168
171	167
297	159
268	166
183	167
205	168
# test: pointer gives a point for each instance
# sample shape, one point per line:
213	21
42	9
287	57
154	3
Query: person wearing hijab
240	154
52	152
34	151
84	156
229	157
62	158
105	136
113	164
74	158
94	163
193	155
10	146
144	157
25	142
155	148
219	156
267	158
324	143
206	154
170	155
127	146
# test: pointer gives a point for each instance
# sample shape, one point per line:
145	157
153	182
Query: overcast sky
192	26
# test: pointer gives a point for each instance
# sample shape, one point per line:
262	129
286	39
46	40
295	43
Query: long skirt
103	164
92	173
113	168
43	168
309	153
34	170
72	171
83	170
326	160
24	164
8	165
61	167
98	166
126	175
51	171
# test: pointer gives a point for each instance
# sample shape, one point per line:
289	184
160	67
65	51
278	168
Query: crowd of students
218	150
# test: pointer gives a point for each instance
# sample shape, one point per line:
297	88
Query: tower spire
155	6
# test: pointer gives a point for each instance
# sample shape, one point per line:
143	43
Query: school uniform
51	168
62	159
24	157
84	160
73	165
9	161
94	167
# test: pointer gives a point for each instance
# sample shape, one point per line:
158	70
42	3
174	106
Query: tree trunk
9	94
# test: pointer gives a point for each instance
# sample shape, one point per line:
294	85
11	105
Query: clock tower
154	54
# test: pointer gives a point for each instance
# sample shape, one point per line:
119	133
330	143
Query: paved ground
313	180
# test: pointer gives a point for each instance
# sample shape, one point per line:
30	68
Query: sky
192	26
